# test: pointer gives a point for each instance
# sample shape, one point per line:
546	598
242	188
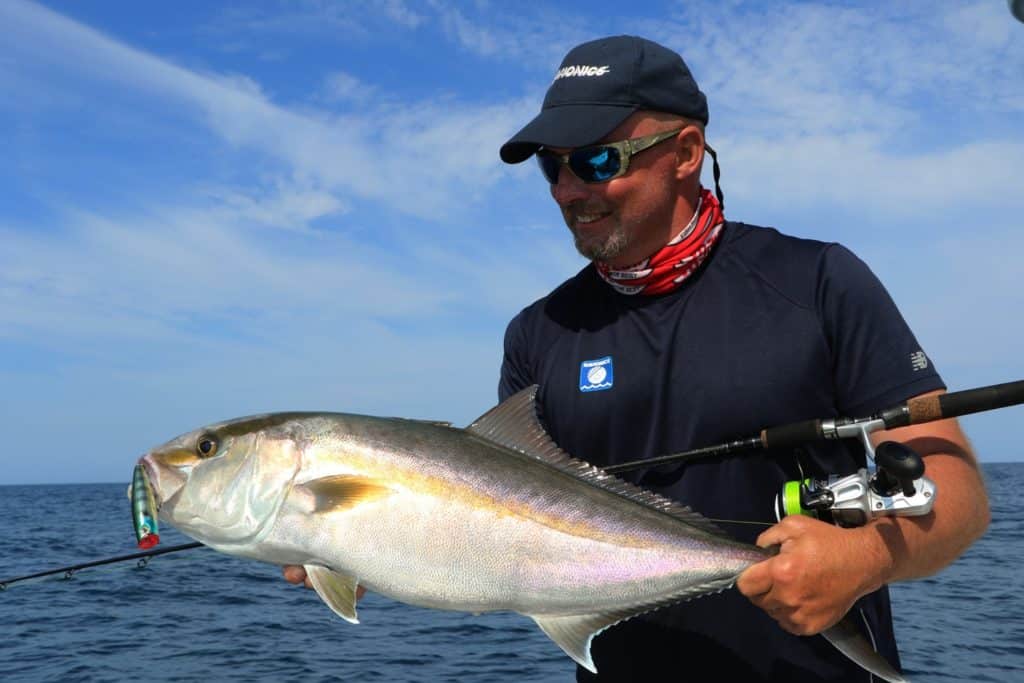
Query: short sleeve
876	358
515	367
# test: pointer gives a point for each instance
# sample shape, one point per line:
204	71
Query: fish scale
491	517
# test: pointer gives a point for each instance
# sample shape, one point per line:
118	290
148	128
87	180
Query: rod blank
71	569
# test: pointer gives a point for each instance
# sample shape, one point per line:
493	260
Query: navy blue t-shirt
771	330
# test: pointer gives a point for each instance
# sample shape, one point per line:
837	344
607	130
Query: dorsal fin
513	423
436	423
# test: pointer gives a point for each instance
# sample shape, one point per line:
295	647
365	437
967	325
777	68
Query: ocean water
201	615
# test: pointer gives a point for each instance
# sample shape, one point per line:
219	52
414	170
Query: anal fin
336	589
574	633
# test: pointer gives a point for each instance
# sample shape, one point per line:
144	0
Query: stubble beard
597	246
604	248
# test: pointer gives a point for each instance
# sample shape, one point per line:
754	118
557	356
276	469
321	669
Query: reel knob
898	467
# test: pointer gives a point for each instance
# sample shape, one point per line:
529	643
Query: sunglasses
599	163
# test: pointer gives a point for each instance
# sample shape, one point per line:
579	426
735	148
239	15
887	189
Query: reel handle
898	466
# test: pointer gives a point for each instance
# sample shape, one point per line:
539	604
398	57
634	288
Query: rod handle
793	434
955	404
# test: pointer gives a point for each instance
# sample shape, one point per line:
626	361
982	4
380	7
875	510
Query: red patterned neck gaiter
676	261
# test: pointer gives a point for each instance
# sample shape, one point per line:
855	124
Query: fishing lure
147	531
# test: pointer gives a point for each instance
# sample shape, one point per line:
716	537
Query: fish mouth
161	483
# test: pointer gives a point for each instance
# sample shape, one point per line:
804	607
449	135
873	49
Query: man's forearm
913	547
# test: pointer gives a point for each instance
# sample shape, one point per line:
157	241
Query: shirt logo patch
918	360
596	375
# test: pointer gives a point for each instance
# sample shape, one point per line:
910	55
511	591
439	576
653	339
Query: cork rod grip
958	403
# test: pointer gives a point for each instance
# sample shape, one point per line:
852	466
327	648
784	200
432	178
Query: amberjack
491	517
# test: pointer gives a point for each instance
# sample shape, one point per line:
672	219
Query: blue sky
217	209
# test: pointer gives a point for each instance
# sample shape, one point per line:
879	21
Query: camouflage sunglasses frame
599	163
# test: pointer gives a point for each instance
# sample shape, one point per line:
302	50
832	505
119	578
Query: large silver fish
491	517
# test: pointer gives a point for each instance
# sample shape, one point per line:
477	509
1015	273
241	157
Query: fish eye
206	446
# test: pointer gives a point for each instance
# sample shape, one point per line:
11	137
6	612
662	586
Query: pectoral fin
337	590
344	491
574	633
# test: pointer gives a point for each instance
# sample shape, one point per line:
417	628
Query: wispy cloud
340	86
889	57
534	36
358	20
222	235
861	172
368	154
874	107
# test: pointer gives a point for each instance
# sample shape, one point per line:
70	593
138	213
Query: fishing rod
69	571
147	533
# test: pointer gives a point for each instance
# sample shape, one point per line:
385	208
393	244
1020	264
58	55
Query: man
688	330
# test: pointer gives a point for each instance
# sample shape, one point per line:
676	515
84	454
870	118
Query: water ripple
201	615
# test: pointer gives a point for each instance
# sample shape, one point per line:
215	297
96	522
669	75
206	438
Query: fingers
755	581
808	585
788	529
295	574
773	536
757	584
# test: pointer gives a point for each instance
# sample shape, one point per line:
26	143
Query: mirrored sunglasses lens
595	164
549	166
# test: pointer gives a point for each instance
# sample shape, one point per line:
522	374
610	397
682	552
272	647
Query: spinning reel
897	487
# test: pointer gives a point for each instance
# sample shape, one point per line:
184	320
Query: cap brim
568	125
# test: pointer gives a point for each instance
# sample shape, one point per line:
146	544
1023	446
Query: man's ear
689	152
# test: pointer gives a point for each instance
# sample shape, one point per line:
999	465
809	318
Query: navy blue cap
1017	7
598	85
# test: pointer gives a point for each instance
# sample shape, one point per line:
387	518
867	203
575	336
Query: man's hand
293	573
818	574
821	569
